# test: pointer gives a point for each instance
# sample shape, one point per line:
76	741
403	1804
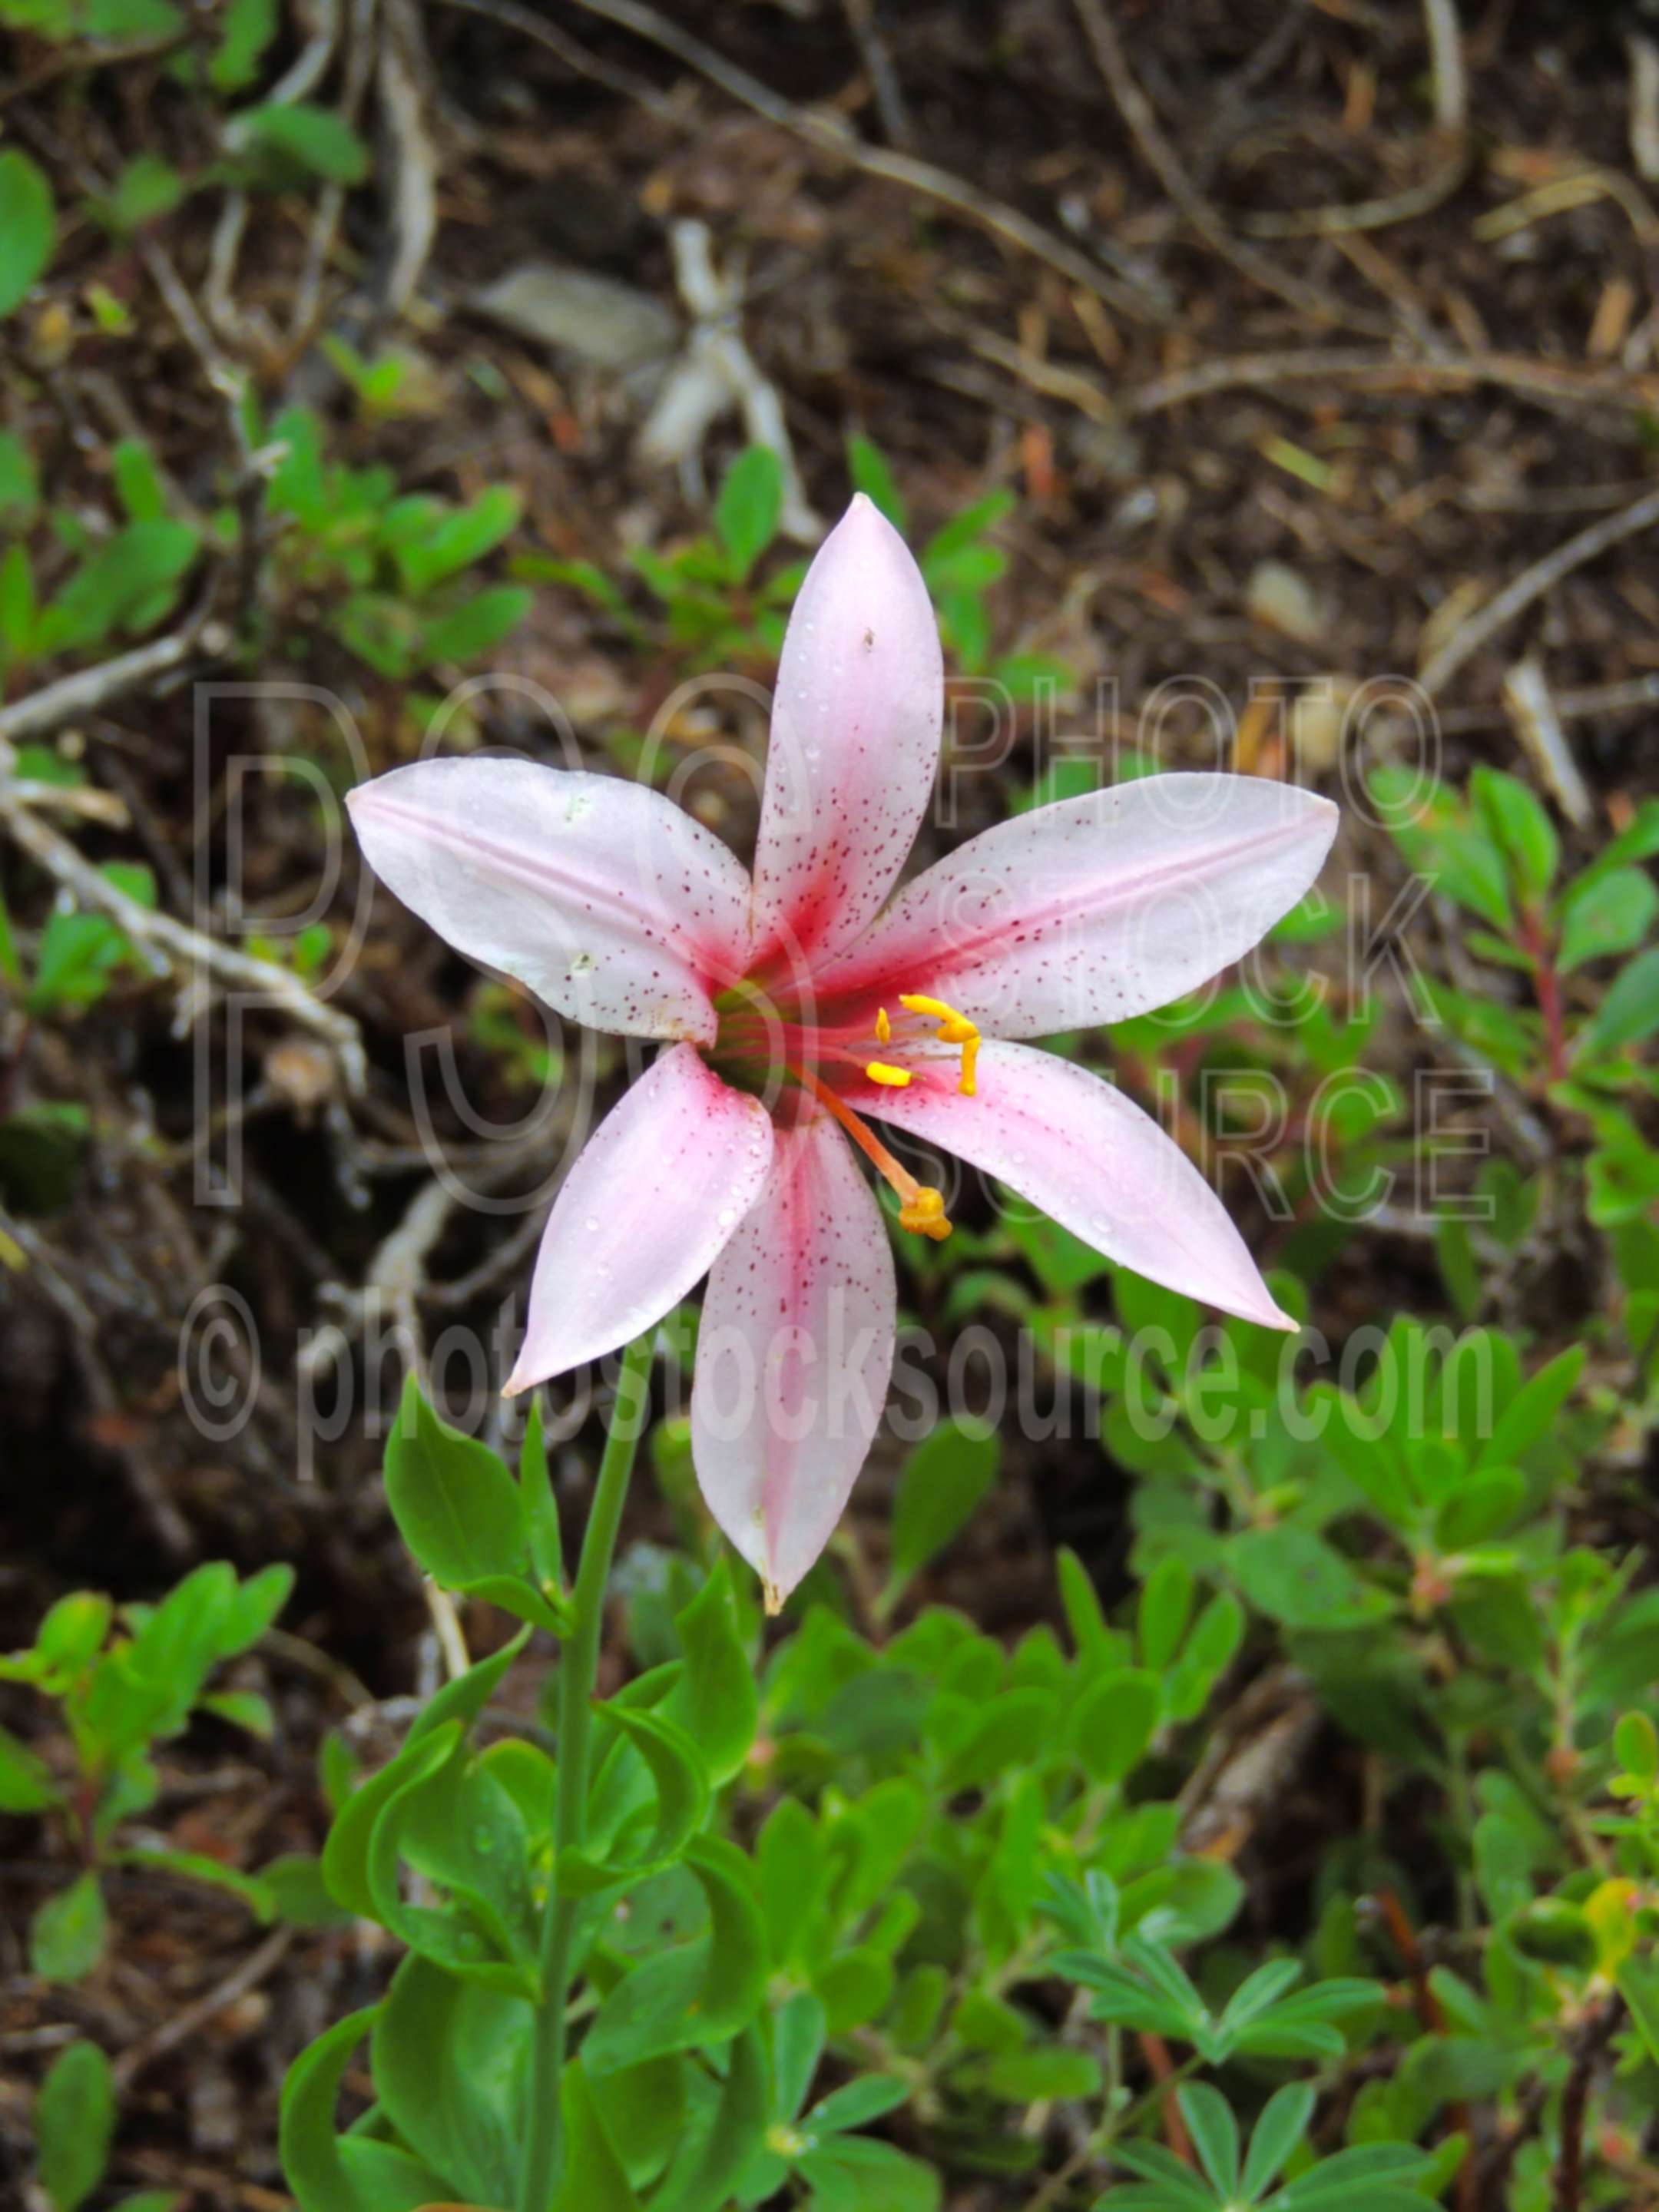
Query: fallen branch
1531	585
90	689
1543	380
167	941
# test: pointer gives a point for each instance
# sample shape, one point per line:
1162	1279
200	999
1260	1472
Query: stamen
921	1208
925	1214
896	1079
883	1027
953	1028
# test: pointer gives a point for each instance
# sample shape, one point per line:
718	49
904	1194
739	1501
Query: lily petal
1075	1146
854	745
1099	908
611	903
647	1208
794	1354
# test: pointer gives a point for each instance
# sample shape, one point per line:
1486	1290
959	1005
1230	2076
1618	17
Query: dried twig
1451	82
1597	2032
183	2025
40	712
1536	720
865	25
964	199
1543	380
167	941
1532	584
1644	107
1161	157
1381	213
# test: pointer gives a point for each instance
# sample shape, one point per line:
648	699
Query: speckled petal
650	1204
608	900
855	745
1075	1146
794	1352
1099	908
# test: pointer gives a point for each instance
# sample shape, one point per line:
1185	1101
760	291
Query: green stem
544	2148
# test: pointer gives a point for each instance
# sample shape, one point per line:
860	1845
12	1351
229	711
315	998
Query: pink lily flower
798	1008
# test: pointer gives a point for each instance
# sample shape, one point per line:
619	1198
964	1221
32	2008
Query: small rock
1285	601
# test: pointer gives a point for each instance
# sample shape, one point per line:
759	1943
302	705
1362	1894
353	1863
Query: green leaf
458	539
681	1787
20	487
1522	830
78	955
461	1513
1093	1641
456	1705
1166	1604
476	624
213	1874
593	2180
944	1479
1294	1577
867	466
1638	1984
1444	843
299	1895
1629	1013
1636	1744
74	2124
126	585
1283	2123
1031	2077
147	187
71	1635
747	510
29	226
960	532
453	1822
1114	1722
716	2154
254	1608
716	1701
314	138
25	1784
1479	1508
1531	1413
247	27
1610	913
67	1934
1214	2132
541	1508
344	2173
137	481
456	1506
693	1993
452	2070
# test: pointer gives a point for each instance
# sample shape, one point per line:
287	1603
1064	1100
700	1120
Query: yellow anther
925	1215
953	1028
883	1027
896	1079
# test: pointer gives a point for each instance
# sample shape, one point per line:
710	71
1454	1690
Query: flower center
762	1044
